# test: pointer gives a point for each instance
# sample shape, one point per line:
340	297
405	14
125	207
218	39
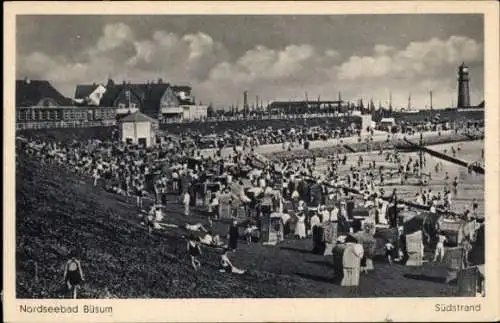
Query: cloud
114	35
280	73
417	59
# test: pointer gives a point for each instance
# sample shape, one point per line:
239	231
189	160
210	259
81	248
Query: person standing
73	274
440	246
455	187
194	251
233	236
300	228
139	192
186	201
351	262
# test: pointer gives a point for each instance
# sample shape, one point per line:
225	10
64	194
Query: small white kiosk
138	128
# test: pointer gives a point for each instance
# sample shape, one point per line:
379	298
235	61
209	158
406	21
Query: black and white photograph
250	156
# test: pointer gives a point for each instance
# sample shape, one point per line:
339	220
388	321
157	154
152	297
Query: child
389	250
440	246
248	233
194	252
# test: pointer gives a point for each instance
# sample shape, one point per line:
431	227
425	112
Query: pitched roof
84	90
29	93
153	95
109	96
181	88
137	117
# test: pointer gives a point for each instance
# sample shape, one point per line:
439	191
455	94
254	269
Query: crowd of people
243	184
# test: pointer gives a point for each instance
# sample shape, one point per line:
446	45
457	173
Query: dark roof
84	90
110	95
137	117
153	95
181	88
30	92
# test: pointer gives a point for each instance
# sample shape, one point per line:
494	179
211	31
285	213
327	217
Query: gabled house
157	100
89	94
39	93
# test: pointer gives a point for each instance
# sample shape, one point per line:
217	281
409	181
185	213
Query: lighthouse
463	87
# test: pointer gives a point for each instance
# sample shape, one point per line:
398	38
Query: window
56	115
40	115
133	105
121	106
33	114
48	112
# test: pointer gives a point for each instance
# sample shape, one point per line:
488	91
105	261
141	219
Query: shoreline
338	146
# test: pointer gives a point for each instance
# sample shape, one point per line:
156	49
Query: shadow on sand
321	279
434	279
296	250
322	263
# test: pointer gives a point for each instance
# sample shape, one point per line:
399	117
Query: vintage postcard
251	161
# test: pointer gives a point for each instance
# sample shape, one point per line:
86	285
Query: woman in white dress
300	228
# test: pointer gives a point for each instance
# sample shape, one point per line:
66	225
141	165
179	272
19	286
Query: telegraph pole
421	156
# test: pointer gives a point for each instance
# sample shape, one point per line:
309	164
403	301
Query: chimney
160	80
245	100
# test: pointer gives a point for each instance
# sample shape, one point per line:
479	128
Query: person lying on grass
195	227
226	265
73	274
212	240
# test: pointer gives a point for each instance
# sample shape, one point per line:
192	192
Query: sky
272	57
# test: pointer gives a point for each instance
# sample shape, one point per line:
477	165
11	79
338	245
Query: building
31	93
159	100
40	105
138	128
89	94
463	87
37	117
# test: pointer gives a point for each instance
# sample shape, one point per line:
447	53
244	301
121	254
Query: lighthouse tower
463	87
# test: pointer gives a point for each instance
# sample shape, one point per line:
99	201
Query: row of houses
37	101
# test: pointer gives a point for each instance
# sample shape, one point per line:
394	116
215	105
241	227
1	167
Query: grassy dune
57	212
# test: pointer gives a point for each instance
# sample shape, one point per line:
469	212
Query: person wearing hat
300	227
325	214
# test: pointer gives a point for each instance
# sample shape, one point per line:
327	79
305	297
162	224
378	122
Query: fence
64	124
85	124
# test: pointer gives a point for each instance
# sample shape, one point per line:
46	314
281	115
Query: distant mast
430	95
409	102
390	100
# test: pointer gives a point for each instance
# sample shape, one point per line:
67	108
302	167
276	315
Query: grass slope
57	212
